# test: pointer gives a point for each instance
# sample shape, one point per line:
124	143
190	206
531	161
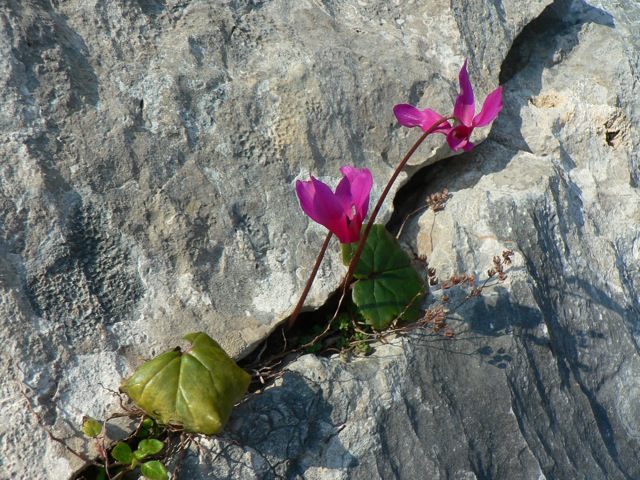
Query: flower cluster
343	212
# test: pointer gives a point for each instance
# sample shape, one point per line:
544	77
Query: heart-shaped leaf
387	285
195	389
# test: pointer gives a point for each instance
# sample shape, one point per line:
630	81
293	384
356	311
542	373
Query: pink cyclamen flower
465	108
342	212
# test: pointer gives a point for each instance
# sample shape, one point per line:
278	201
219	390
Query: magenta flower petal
355	229
465	106
430	118
360	182
468	147
318	201
410	116
341	212
458	137
306	192
490	109
340	228
326	206
343	194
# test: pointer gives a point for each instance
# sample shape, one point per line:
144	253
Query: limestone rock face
149	155
542	379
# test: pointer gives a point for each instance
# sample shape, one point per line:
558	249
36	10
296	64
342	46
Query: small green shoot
148	428
91	427
123	454
127	461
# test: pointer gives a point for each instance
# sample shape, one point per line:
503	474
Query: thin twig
51	435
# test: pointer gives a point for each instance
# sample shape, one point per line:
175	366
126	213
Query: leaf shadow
285	430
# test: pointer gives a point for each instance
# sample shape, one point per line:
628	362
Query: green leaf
387	284
91	427
139	454
150	446
145	428
196	389
122	453
154	470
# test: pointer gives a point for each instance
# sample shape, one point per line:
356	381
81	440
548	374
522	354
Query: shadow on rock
279	434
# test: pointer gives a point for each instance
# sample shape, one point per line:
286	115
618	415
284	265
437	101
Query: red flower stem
374	214
303	297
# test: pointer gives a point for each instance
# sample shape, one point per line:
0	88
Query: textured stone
542	378
150	150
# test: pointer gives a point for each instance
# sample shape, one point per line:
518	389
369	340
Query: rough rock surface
542	380
149	154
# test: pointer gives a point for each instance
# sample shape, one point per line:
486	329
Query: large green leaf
387	284
195	389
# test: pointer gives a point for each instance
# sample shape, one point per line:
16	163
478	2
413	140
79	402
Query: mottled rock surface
542	380
149	154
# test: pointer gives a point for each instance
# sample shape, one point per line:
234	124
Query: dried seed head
437	200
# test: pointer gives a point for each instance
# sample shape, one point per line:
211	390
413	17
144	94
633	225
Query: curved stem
303	297
385	192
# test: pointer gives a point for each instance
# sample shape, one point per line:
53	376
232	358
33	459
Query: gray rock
150	149
542	378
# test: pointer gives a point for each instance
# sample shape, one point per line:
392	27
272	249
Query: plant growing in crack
387	287
179	395
192	392
125	458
